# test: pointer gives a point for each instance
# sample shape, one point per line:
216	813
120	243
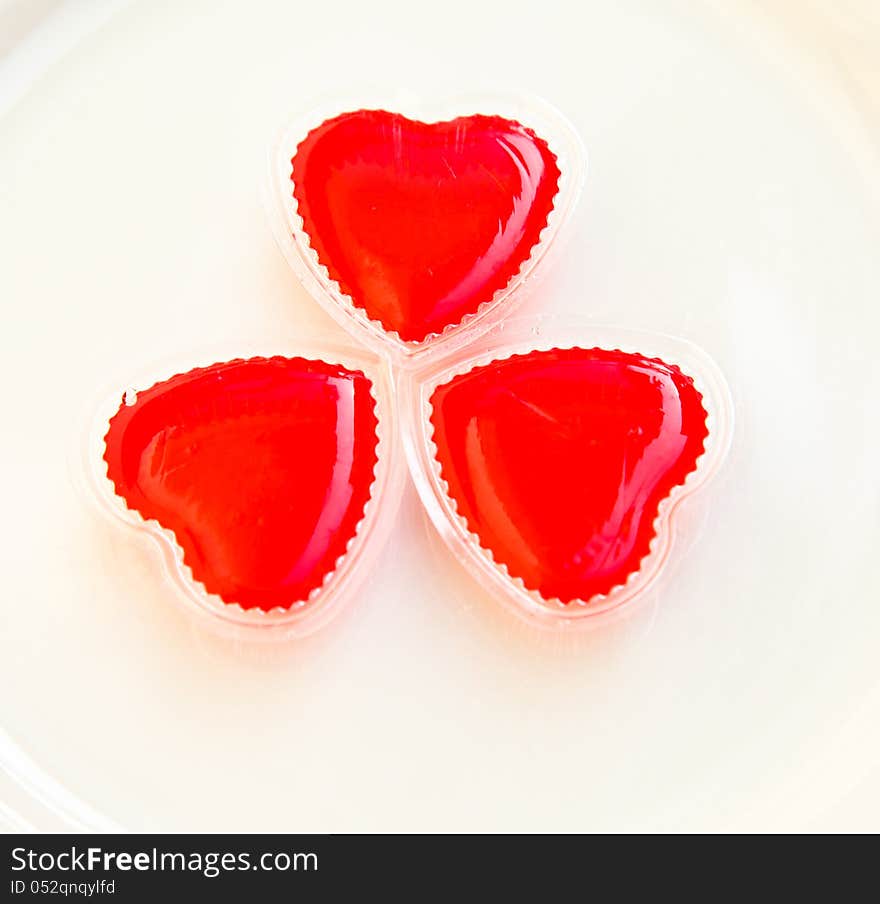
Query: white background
732	200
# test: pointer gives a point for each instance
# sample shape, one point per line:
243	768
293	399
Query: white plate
723	206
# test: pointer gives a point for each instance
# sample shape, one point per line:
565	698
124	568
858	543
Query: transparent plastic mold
520	336
298	245
300	616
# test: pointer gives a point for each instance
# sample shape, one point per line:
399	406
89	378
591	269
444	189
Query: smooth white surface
723	206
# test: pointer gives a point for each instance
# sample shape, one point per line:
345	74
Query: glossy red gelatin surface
421	223
260	467
558	461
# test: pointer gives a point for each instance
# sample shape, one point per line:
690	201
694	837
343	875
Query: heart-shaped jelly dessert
422	223
558	461
261	468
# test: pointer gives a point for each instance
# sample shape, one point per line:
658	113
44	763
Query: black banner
306	867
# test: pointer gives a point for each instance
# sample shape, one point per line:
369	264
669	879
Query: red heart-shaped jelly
260	467
558	461
421	223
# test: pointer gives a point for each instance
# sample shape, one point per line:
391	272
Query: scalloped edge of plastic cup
287	227
518	336
304	617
